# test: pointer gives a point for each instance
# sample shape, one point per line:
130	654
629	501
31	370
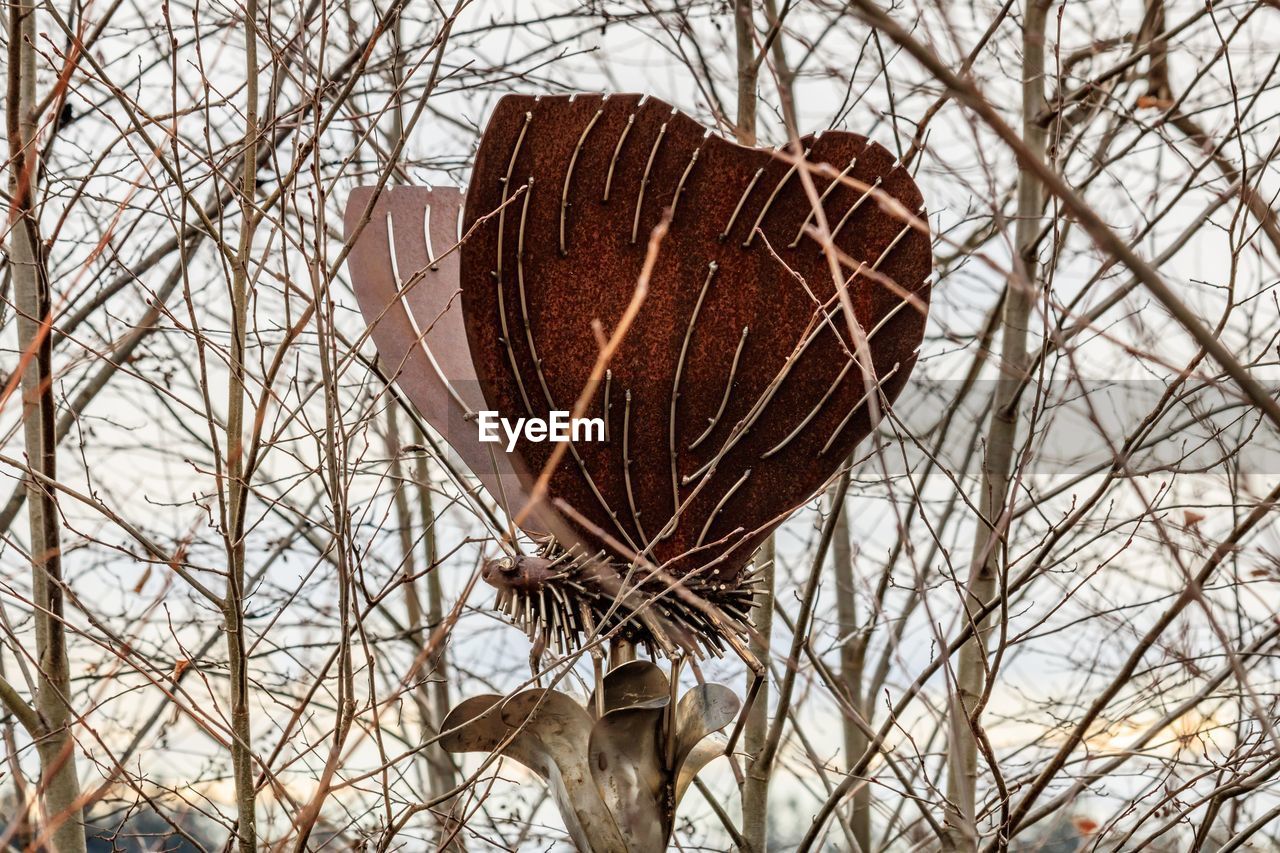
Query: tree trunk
445	774
755	785
236	487
431	690
984	570
748	72
851	660
63	817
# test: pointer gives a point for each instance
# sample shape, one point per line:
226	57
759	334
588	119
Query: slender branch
21	710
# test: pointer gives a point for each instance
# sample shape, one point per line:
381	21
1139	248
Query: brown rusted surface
404	270
737	288
523	573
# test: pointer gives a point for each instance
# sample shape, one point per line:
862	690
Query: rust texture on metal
738	391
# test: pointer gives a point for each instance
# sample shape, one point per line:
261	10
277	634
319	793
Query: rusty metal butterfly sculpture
785	307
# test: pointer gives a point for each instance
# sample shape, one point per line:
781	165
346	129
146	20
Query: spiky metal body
562	598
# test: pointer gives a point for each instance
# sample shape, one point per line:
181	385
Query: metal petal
700	756
549	733
627	765
634	683
702	711
475	725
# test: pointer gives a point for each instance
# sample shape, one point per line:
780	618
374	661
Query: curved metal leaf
627	765
702	711
634	683
699	757
609	777
549	733
475	725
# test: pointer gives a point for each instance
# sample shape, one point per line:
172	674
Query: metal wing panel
735	395
404	268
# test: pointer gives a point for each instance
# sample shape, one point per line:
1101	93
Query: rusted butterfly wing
739	390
